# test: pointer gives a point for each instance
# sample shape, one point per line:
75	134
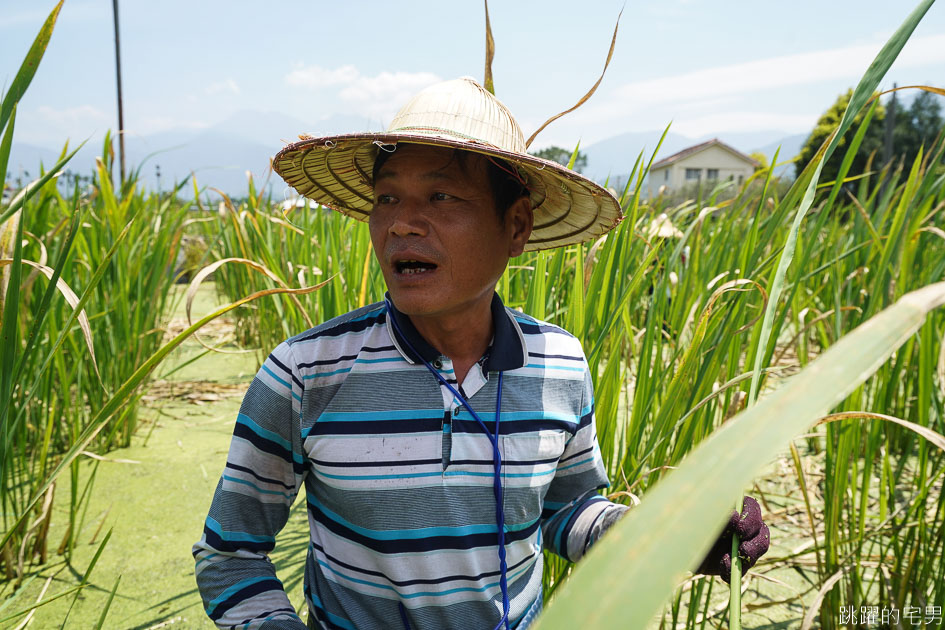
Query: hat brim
336	172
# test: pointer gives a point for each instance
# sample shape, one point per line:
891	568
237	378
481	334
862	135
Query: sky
707	67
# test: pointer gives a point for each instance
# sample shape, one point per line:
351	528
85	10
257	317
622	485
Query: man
442	439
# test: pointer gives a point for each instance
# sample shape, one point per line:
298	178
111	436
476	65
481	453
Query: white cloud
86	120
228	86
315	77
33	19
23	18
763	74
703	105
922	51
377	96
145	125
80	116
732	121
51	126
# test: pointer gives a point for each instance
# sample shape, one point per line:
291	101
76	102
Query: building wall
715	157
659	177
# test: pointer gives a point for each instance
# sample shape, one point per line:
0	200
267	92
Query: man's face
436	233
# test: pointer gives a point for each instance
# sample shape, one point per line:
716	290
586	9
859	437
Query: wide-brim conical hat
336	170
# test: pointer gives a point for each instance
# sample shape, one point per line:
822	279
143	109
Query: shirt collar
507	351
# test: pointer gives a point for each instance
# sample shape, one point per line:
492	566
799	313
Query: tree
914	127
917	126
761	158
563	156
872	141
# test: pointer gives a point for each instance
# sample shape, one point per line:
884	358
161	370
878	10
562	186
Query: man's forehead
433	163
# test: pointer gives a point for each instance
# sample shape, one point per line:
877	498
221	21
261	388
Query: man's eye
383	199
440	196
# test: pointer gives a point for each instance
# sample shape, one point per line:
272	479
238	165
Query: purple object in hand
754	538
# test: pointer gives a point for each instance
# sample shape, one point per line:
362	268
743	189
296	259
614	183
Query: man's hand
753	536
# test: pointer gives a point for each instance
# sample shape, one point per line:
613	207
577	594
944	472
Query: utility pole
121	118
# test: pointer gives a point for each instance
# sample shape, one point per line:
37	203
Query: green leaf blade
24	75
648	551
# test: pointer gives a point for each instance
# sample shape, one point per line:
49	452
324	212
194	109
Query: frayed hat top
336	171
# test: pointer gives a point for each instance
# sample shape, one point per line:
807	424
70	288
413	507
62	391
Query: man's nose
408	220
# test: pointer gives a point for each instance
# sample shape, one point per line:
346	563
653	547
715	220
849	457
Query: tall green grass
670	328
85	279
295	248
117	250
680	334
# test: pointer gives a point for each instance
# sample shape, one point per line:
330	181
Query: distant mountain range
220	156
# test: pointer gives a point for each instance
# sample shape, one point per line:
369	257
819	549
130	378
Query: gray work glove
753	536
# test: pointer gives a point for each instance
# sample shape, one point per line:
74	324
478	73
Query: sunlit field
691	315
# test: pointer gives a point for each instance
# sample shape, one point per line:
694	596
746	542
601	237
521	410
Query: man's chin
413	303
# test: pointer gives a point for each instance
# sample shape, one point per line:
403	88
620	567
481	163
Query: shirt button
456	411
438	364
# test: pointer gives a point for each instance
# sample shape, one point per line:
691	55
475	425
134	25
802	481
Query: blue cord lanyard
496	464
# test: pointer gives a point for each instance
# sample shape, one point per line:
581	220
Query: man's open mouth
410	267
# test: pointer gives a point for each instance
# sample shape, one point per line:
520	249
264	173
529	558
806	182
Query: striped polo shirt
398	477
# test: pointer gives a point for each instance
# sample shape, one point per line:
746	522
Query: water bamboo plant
690	338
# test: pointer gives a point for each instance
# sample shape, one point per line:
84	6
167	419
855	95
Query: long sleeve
264	471
575	515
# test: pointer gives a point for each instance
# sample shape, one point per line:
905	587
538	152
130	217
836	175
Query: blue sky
710	67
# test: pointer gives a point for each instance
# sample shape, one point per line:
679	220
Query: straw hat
336	170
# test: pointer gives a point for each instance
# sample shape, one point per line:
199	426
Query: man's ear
519	218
